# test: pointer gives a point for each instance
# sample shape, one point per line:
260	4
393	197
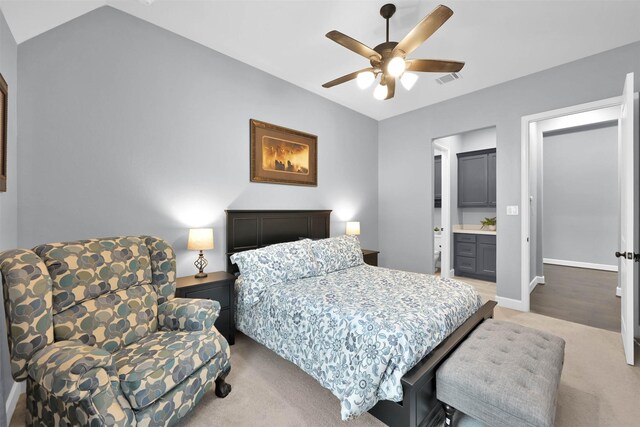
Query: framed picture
4	94
283	156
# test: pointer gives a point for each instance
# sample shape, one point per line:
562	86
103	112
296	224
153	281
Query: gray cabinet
437	181
486	256
475	256
477	179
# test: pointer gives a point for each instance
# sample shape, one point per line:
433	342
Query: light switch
512	210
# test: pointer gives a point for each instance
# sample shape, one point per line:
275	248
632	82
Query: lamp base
201	264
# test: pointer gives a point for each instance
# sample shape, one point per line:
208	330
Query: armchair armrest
188	314
72	371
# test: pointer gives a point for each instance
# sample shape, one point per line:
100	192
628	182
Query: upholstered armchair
95	330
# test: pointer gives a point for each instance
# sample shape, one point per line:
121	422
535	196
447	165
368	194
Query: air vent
448	78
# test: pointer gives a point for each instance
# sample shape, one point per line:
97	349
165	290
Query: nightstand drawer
220	294
223	323
370	257
217	286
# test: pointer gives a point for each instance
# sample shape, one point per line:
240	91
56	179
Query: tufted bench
503	374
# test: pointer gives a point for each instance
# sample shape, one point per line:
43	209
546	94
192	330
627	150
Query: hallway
579	295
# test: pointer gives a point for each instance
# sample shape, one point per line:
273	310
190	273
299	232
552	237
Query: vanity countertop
472	229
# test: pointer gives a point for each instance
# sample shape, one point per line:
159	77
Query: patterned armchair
96	332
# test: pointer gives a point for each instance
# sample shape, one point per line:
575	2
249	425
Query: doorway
574	193
464	208
619	109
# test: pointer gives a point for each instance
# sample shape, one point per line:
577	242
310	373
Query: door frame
531	133
446	266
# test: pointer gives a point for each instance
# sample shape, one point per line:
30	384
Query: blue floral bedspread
357	331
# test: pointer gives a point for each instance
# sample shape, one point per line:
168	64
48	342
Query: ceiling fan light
380	92
408	80
365	79
396	66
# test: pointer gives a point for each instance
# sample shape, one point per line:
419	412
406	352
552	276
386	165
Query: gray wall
580	197
127	129
8	200
406	187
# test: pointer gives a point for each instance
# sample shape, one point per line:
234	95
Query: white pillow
283	262
337	253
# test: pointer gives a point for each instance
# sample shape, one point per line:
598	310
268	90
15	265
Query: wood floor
579	295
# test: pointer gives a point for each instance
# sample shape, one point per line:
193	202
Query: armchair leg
222	388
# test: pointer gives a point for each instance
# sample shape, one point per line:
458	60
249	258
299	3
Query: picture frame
281	155
4	96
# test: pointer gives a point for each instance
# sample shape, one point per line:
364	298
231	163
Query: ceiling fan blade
345	78
353	45
434	65
424	29
391	87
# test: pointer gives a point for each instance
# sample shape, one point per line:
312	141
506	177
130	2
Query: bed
372	336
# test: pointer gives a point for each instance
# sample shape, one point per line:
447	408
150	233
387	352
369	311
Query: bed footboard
420	407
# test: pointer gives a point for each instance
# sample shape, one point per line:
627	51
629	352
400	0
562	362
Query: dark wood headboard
255	229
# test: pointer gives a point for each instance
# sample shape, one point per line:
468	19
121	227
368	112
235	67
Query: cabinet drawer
487	239
465	249
465	264
219	293
461	237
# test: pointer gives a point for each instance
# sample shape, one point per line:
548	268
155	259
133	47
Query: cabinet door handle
621	254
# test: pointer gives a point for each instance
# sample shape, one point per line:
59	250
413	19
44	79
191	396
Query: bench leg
448	413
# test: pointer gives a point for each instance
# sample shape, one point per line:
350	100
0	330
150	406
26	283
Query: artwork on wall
283	156
4	94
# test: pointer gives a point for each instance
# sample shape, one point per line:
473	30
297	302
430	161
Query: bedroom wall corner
8	201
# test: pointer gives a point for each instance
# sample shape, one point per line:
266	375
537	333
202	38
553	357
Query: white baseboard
590	265
618	291
12	399
514	304
535	282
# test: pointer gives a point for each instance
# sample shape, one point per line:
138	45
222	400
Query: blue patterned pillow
283	262
337	253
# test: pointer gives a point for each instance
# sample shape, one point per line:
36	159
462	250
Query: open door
627	254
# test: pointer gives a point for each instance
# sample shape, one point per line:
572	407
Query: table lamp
200	239
353	228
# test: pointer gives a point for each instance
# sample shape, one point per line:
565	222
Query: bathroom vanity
474	252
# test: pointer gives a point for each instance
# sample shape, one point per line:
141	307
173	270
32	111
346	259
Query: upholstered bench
503	374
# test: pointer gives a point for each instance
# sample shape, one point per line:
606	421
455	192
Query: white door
627	152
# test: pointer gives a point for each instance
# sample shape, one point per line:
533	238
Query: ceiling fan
389	59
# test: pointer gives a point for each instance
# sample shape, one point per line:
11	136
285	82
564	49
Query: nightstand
216	286
370	257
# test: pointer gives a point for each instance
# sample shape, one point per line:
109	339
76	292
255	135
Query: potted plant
489	223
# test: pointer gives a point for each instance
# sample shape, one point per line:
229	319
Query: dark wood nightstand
370	257
216	286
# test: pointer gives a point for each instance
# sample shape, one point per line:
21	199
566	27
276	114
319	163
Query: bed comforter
357	331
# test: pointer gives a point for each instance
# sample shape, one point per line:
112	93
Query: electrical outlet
512	210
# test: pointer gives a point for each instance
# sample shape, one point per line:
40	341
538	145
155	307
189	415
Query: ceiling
498	40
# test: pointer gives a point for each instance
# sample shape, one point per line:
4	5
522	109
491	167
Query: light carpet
597	389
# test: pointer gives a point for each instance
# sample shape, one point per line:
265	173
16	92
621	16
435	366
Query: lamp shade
353	228
200	239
